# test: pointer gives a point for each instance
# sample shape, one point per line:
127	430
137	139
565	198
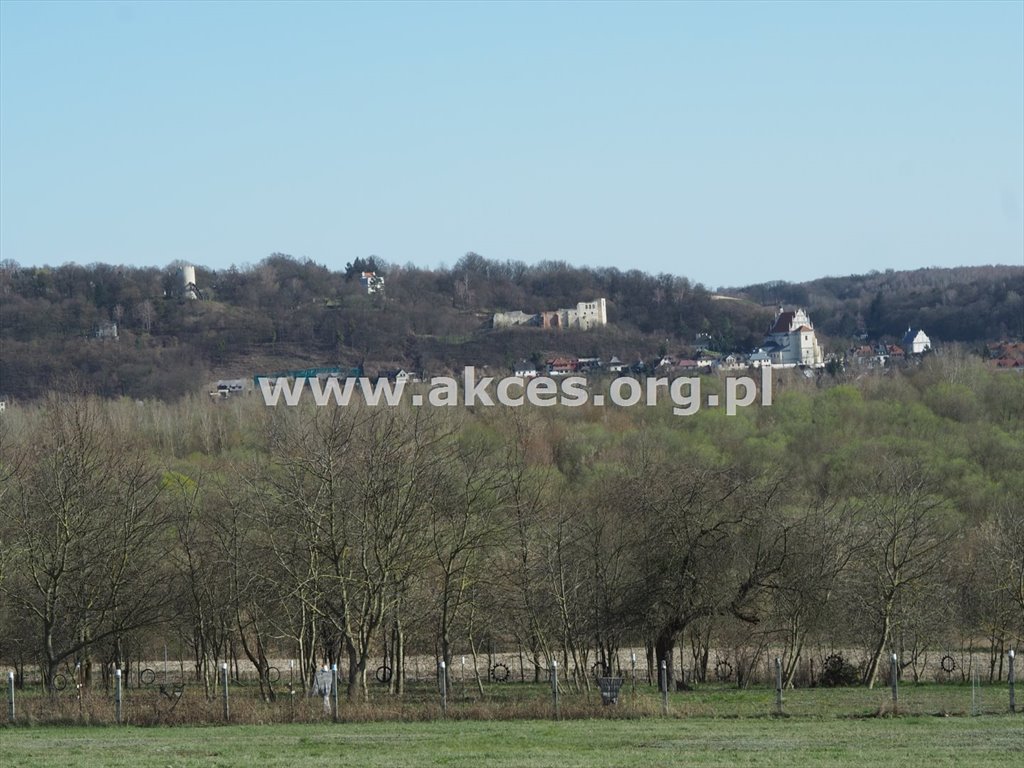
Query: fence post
117	695
1013	698
224	683
664	688
442	685
10	693
778	685
895	684
632	664
334	692
554	687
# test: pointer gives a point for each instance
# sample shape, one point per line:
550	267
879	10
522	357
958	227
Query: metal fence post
442	685
117	695
663	678
554	687
10	694
334	692
1013	698
895	684
778	685
224	683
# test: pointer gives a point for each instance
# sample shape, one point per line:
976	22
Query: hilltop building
187	287
586	315
372	283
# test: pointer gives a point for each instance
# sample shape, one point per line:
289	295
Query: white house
371	282
915	342
525	369
791	341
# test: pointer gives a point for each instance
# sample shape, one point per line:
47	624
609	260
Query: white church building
791	341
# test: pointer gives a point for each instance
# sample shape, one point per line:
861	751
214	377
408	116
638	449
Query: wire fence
169	699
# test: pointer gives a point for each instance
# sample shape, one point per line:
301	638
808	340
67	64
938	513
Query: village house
562	366
615	365
524	369
915	342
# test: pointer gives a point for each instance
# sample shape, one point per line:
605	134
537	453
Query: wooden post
1013	699
895	683
632	664
224	683
442	685
664	688
778	685
554	688
334	692
117	695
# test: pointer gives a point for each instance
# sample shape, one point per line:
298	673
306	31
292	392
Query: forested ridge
285	313
879	514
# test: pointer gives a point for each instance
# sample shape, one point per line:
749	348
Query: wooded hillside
285	313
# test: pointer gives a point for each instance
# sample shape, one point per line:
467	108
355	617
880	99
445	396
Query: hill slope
284	313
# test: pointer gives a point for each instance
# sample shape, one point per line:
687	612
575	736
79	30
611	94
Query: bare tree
905	525
363	479
466	516
822	543
709	542
87	524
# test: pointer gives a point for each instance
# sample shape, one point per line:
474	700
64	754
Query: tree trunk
664	651
871	673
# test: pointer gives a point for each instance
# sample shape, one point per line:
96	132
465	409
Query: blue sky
727	142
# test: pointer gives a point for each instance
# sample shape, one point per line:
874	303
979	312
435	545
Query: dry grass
148	706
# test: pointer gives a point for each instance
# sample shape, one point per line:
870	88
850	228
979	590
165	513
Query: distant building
562	366
105	331
187	287
229	388
371	282
791	341
586	315
525	369
915	342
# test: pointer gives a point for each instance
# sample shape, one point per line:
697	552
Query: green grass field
904	742
716	725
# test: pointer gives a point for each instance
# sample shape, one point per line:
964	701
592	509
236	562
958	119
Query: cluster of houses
790	342
915	342
1006	355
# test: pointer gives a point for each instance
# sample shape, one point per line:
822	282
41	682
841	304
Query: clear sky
727	142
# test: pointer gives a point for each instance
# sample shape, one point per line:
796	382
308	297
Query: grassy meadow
596	743
713	726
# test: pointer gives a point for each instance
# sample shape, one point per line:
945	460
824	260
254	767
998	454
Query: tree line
878	514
